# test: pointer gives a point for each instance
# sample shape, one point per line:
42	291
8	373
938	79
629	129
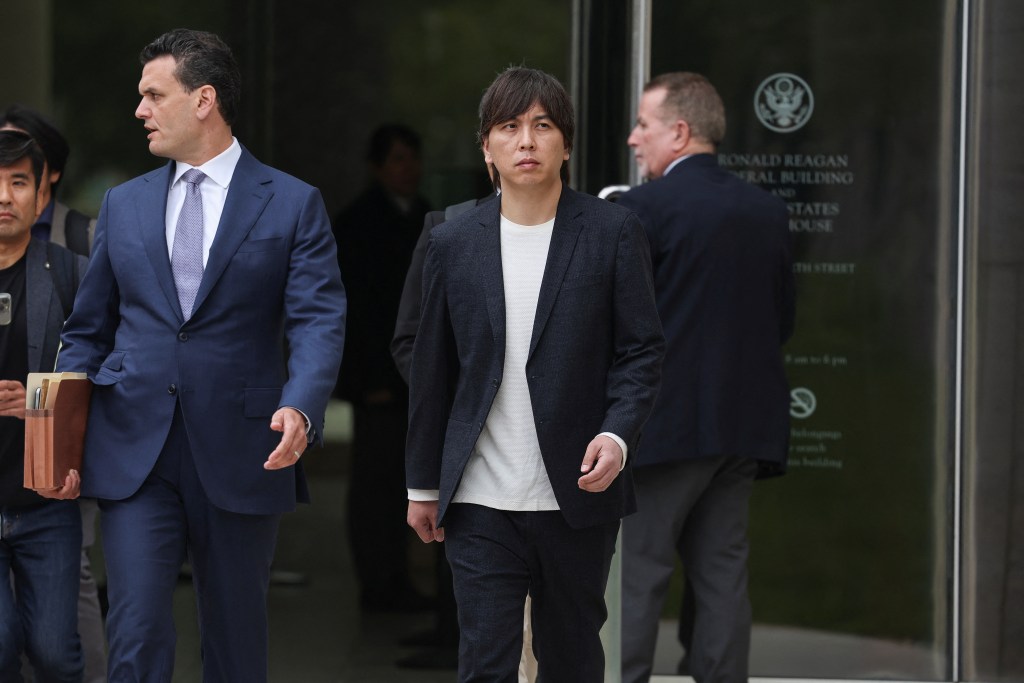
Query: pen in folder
39	393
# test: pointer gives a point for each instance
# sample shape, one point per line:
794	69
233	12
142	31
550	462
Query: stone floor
318	634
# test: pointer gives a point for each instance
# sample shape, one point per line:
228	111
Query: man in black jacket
41	543
724	285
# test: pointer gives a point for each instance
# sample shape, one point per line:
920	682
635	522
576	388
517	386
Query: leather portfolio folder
57	408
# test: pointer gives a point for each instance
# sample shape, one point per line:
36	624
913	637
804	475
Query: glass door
847	110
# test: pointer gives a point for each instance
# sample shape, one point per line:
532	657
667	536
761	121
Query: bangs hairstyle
691	97
201	58
517	89
15	145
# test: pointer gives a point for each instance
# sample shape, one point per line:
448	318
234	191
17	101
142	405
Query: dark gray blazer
407	322
594	362
44	314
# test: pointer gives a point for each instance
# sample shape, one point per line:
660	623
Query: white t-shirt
506	470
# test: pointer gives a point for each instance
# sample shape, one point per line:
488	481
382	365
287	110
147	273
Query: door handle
612	192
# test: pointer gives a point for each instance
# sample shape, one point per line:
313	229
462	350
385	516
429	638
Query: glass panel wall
846	110
993	566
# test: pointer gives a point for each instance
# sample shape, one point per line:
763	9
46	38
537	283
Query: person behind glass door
56	223
723	276
376	235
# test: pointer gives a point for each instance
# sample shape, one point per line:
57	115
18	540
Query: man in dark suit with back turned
211	322
534	368
723	278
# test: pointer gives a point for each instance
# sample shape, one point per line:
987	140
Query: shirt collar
218	169
675	163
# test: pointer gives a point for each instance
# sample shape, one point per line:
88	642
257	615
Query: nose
142	111
634	137
526	140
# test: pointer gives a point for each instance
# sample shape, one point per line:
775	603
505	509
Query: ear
682	136
485	146
54	176
206	101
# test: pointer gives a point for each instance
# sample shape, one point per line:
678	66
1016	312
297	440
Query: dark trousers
378	502
696	509
40	549
145	540
497	557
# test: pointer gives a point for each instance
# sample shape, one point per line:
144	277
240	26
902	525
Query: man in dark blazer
56	223
376	235
440	645
534	368
42	534
74	230
724	284
211	322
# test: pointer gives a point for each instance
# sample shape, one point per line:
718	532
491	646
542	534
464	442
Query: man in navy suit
723	278
535	366
211	322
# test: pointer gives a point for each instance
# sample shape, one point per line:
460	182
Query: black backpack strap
63	267
76	232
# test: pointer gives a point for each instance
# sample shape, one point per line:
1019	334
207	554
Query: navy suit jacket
267	331
594	361
723	276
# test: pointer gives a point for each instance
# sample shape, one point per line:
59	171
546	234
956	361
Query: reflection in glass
850	557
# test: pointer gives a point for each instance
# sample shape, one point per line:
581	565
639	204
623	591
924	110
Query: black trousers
497	557
378	502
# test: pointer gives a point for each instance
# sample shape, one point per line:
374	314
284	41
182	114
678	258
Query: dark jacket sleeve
408	320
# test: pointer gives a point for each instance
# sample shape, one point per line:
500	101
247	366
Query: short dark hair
54	145
388	134
201	58
15	146
517	89
691	97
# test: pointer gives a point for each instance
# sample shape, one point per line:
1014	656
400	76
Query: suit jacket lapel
152	214
491	273
248	195
39	289
563	243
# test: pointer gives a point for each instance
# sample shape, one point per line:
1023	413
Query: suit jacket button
494	383
172	390
183	336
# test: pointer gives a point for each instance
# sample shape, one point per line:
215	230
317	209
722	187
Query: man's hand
293	442
12	399
70	490
423	519
601	464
